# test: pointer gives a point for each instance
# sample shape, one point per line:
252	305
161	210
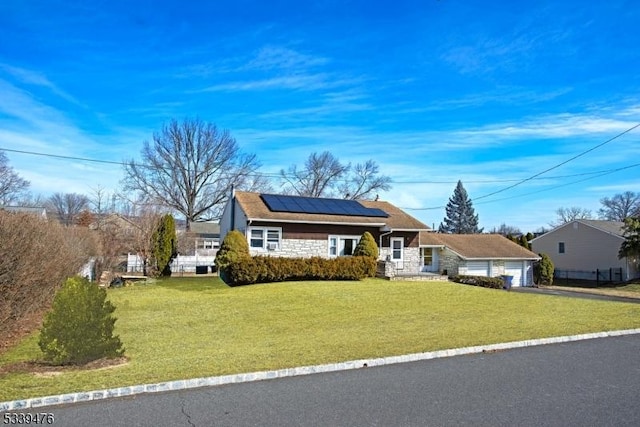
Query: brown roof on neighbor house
255	209
478	246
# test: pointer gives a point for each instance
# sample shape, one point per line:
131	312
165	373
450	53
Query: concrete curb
63	399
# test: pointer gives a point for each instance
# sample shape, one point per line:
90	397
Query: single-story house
294	226
489	255
582	248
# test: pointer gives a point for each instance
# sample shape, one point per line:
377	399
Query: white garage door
478	268
514	268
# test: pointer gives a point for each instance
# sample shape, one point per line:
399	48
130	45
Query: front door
397	252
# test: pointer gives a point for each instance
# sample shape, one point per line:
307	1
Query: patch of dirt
46	370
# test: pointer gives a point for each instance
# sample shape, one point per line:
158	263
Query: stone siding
449	262
297	248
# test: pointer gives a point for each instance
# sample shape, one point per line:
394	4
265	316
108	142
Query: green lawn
195	327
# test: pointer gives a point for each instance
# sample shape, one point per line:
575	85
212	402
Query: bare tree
620	206
566	215
67	206
190	167
12	186
363	181
324	176
506	230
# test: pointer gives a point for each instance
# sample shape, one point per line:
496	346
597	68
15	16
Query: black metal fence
597	276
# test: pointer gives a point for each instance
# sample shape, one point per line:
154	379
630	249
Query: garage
478	268
515	268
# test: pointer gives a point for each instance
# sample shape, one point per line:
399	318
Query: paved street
587	383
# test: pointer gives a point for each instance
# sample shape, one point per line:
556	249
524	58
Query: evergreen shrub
79	327
482	281
543	270
261	269
233	249
367	246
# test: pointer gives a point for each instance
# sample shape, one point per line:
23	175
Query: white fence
181	264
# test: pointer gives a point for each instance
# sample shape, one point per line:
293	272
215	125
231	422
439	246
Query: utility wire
277	175
560	164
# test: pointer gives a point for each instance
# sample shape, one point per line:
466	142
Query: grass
195	327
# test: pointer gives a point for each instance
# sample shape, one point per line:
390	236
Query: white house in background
489	255
581	247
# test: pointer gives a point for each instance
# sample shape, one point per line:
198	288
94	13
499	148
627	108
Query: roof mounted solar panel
314	205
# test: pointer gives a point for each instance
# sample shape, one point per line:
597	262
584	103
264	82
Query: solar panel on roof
313	205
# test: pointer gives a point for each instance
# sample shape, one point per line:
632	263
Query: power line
597	175
277	175
560	164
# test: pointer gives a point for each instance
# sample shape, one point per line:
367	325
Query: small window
333	246
273	238
257	238
349	246
560	247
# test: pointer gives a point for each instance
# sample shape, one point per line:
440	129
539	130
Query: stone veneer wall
298	248
448	261
411	260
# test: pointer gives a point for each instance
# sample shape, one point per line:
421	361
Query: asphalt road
586	383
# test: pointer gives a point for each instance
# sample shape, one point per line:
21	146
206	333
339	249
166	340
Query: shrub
367	246
36	257
482	281
233	249
260	269
79	327
543	270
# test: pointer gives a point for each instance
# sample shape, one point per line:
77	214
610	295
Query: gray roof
209	228
26	209
612	227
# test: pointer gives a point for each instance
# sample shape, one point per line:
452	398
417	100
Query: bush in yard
79	327
233	249
367	246
482	281
543	270
260	269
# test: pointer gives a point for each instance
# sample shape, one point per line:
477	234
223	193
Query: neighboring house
206	237
37	211
293	226
488	255
582	247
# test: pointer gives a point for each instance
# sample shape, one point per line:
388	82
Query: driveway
564	292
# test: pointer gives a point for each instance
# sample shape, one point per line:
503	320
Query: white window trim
397	239
265	240
339	237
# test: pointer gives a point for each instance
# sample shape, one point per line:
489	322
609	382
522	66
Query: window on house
264	238
342	245
560	247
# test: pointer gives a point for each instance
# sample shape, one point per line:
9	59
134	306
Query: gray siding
585	248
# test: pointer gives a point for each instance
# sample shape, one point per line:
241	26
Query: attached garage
515	269
481	255
478	268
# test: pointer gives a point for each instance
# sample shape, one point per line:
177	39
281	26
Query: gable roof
614	228
205	228
478	246
255	209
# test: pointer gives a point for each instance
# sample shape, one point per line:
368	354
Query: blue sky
490	93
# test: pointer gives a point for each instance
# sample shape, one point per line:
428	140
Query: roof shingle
255	209
478	246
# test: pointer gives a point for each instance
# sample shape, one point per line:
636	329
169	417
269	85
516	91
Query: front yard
196	327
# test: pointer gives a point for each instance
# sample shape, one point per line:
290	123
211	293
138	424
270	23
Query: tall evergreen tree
461	217
164	245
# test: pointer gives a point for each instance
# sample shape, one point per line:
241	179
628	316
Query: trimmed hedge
261	269
482	281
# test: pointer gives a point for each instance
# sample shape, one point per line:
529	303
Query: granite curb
39	402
